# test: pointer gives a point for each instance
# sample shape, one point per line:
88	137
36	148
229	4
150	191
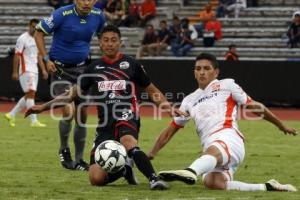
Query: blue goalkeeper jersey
72	33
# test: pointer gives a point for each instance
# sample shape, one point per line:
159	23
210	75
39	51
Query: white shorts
231	145
29	81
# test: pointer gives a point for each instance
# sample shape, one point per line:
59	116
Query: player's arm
164	137
160	100
261	110
57	102
16	60
42	67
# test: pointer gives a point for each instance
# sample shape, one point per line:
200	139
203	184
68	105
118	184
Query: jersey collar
75	11
112	61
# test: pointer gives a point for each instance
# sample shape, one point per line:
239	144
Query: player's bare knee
215	181
128	141
97	176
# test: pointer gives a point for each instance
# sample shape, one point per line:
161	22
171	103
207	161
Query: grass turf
30	168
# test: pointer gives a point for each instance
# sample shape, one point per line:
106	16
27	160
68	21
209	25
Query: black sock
191	170
111	177
143	163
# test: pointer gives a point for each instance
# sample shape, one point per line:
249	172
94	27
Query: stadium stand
259	32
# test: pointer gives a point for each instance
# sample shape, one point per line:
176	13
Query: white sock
29	104
237	185
204	164
20	106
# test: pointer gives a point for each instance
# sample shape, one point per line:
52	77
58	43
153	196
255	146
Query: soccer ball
110	155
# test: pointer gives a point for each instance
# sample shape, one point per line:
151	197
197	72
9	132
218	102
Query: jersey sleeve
140	76
49	24
179	122
20	45
238	94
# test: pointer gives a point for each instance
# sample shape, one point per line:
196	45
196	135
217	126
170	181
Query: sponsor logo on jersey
112	95
202	99
67	12
49	21
124	65
82	21
99	67
111	85
215	87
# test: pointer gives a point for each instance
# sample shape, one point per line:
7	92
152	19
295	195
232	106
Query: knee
129	142
97	176
215	181
213	185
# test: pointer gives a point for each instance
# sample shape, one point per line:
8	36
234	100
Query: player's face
32	28
110	43
84	7
205	73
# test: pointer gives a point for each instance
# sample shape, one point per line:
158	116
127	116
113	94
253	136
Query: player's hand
44	74
15	76
288	130
176	113
34	110
150	156
51	66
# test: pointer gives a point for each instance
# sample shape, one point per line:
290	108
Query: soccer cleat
37	124
158	185
273	185
184	175
10	119
129	173
66	159
82	166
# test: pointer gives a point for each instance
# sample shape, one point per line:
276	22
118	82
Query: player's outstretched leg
273	185
129	173
187	176
144	165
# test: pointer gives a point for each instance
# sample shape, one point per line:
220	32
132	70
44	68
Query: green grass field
30	168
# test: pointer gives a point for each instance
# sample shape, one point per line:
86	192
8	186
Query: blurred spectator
147	11
205	15
184	40
293	32
150	39
58	3
185	2
132	14
236	7
252	3
295	13
222	7
174	27
101	4
54	3
115	12
231	54
213	32
163	40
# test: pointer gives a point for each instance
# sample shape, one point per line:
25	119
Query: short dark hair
110	28
210	57
232	46
36	21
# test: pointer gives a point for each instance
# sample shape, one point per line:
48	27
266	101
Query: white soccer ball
110	155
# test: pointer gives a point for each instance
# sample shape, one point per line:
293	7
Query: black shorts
114	130
65	77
